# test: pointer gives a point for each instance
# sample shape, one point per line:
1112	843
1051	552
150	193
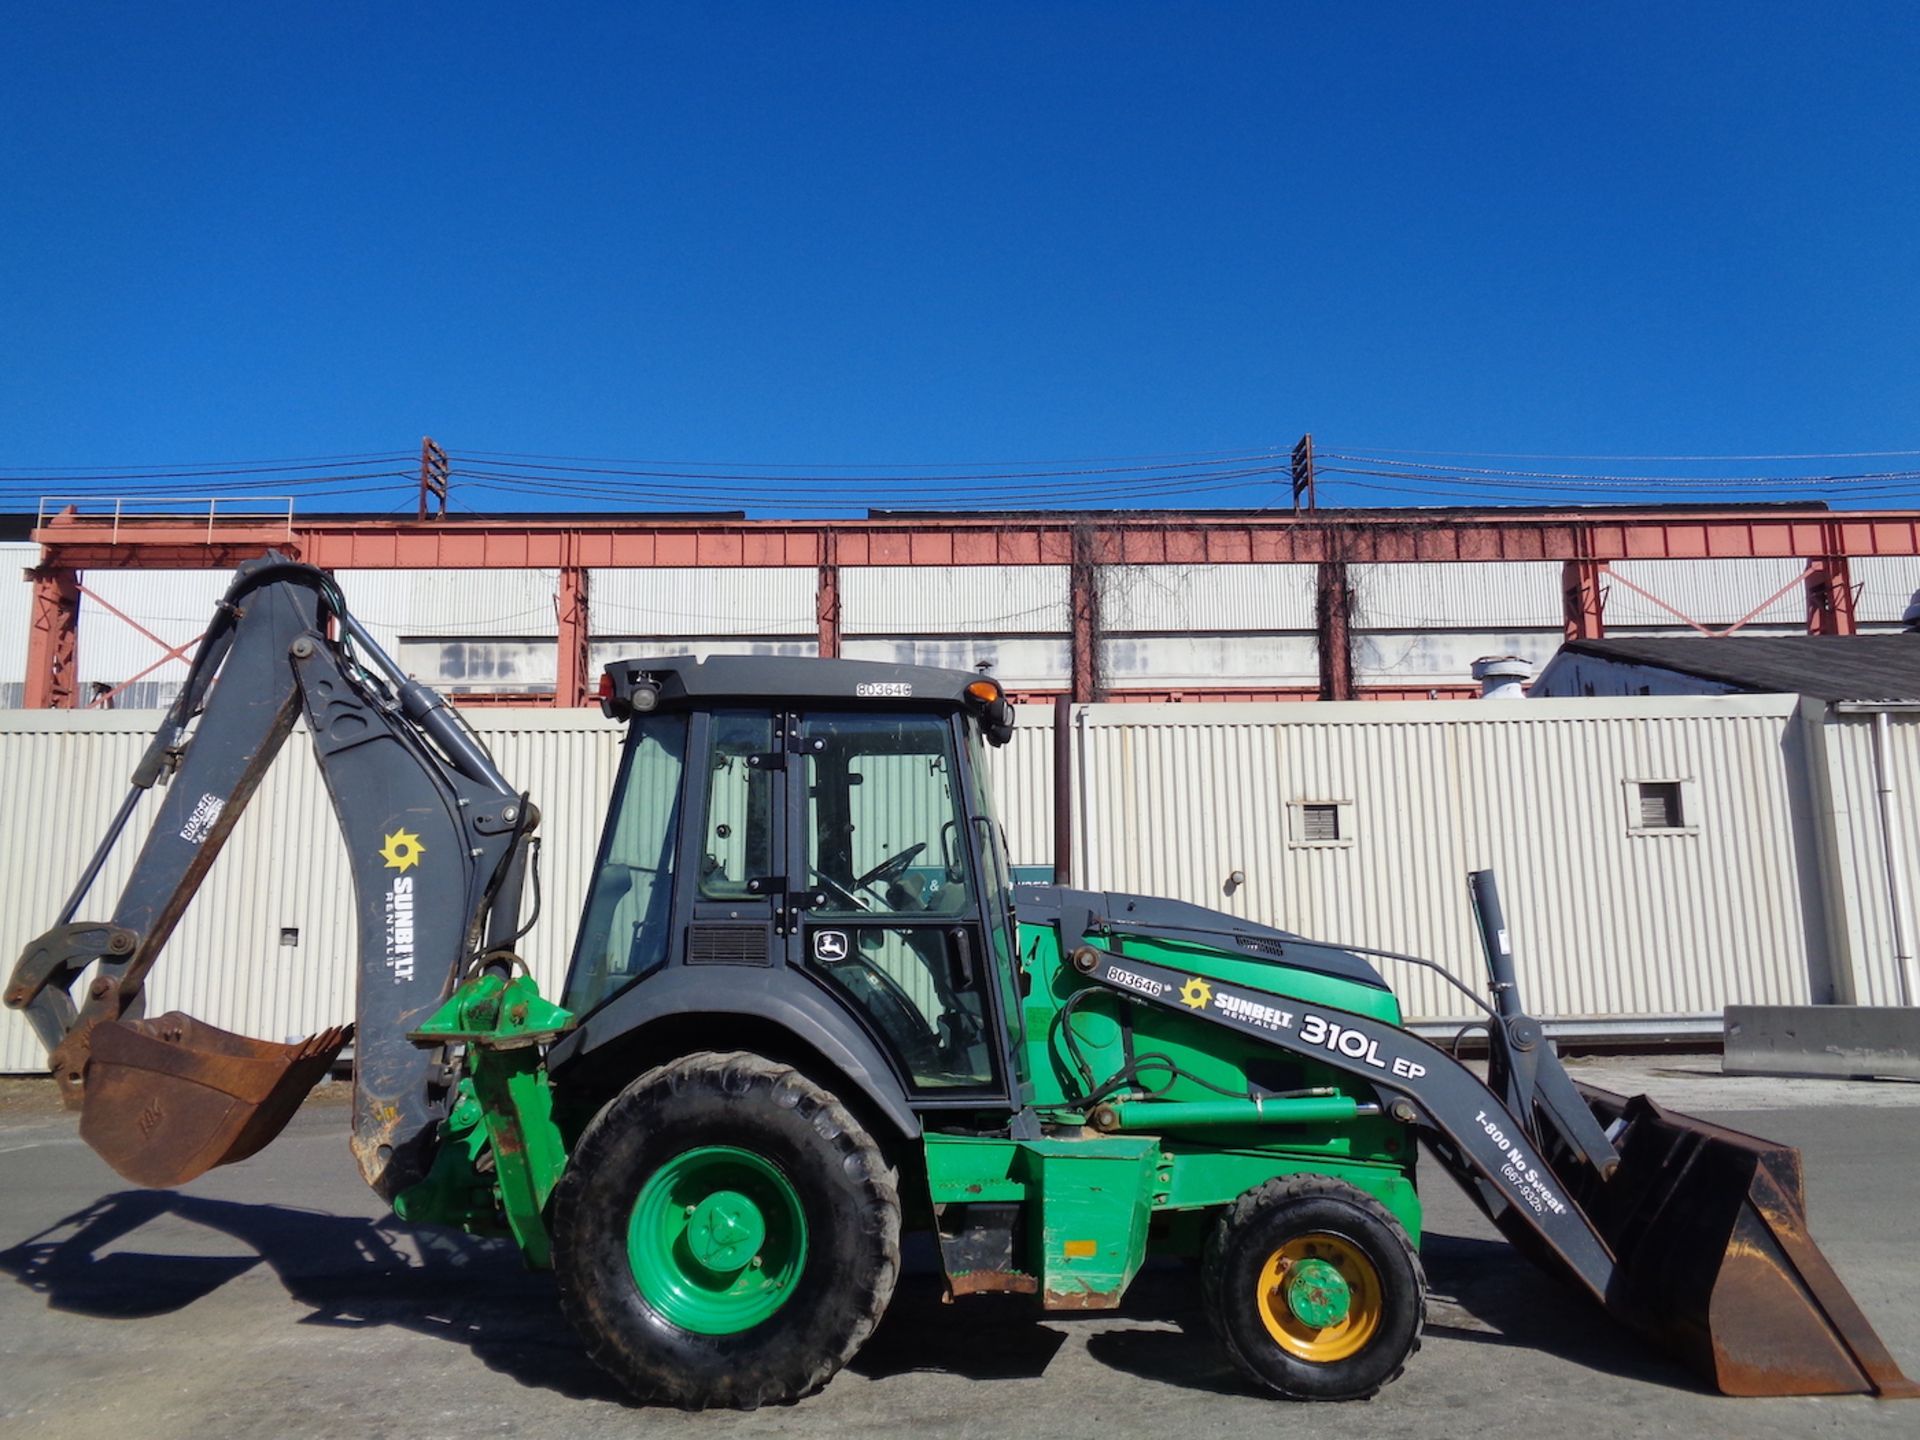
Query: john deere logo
829	945
403	850
1196	993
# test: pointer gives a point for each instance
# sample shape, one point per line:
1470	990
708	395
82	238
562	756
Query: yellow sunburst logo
403	850
1196	992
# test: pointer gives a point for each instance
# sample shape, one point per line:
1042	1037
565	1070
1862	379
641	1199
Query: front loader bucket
170	1098
1709	1229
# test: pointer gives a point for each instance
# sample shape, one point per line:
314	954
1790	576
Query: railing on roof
270	509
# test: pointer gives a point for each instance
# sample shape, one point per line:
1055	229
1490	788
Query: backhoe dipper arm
434	837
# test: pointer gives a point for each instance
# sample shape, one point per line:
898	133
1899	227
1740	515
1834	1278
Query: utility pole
433	477
1303	474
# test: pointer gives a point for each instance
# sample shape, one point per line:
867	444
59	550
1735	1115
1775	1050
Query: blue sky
835	235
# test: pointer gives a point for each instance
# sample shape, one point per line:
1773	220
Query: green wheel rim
717	1240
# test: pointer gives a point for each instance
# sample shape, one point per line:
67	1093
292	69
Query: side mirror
997	724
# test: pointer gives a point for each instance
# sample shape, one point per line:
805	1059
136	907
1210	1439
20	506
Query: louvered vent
1319	822
1660	805
728	945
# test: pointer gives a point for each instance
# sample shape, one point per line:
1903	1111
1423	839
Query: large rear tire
726	1234
1314	1289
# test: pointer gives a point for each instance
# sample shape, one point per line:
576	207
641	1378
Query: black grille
1320	822
728	945
1660	807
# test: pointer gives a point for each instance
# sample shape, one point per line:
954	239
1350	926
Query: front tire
726	1234
1314	1289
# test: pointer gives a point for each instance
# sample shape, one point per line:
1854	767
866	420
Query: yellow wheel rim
1323	1344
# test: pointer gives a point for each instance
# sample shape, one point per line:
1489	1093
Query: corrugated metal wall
435	603
1861	850
1889	589
174	604
1609	922
63	773
1713	592
1207	597
16	611
1507	595
952	600
703	601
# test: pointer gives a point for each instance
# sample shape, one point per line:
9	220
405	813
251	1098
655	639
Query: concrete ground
277	1298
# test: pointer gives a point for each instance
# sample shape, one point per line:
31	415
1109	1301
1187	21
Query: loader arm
1692	1234
436	842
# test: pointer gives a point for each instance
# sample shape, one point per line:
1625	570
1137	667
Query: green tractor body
810	1008
1116	1178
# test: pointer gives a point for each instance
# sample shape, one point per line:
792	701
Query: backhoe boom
435	837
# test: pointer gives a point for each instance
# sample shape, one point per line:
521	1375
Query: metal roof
1827	667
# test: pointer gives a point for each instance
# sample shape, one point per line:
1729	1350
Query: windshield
629	919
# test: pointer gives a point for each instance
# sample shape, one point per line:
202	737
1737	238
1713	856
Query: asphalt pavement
276	1297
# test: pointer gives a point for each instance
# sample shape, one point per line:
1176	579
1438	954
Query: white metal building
1355	822
1859	740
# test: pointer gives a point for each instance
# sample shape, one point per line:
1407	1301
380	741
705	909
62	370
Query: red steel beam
1830	597
572	681
826	597
1332	630
1083	602
53	640
81	542
1583	601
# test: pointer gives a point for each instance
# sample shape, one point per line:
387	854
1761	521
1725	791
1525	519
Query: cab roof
686	683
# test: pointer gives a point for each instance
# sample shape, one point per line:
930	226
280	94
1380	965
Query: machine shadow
355	1271
1483	1292
352	1271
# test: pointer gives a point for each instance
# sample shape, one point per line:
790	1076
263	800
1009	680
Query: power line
1704	459
1196	456
1468	474
190	470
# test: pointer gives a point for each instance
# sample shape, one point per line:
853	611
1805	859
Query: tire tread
735	1074
1282	1190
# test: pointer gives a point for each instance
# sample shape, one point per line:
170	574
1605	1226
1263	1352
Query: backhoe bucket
170	1098
1709	1228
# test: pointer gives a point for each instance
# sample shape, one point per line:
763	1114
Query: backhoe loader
808	1008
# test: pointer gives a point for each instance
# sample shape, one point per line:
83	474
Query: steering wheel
837	890
891	868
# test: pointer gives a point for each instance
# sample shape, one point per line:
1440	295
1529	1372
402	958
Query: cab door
886	910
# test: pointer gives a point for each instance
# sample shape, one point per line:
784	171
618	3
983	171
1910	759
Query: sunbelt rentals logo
401	852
